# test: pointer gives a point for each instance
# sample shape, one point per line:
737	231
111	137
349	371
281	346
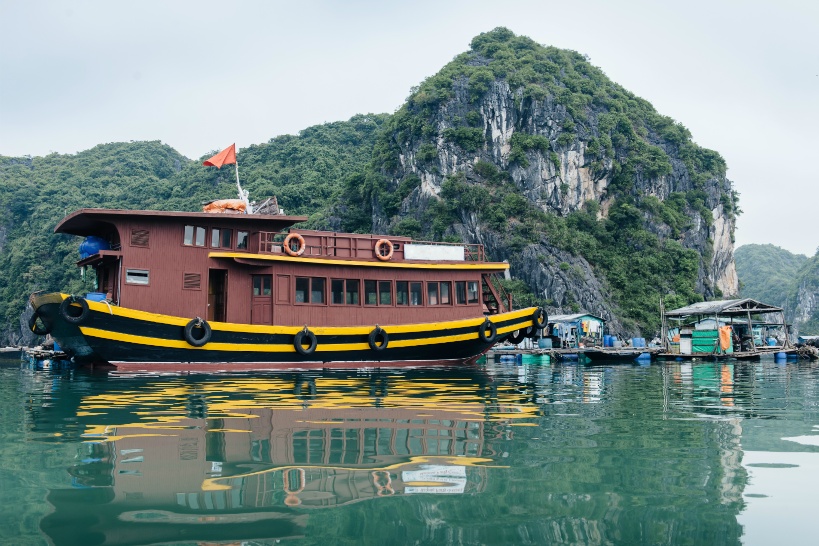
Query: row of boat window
219	237
313	290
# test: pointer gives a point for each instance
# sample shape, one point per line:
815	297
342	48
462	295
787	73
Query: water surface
497	453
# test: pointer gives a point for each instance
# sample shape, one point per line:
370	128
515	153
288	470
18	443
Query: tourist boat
233	285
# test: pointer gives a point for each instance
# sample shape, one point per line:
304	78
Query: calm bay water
498	453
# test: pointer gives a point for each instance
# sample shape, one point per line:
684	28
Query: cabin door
217	298
261	310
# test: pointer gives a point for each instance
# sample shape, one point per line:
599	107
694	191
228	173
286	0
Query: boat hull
111	334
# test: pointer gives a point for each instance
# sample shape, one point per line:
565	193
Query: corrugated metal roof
572	318
724	307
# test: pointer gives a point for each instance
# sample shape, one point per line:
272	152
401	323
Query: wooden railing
351	245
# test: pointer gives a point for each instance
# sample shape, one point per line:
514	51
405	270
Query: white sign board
434	252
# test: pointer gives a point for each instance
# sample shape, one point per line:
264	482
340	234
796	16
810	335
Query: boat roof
86	222
725	308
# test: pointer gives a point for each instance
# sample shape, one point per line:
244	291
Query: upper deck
264	235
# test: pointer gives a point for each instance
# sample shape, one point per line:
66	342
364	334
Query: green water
498	453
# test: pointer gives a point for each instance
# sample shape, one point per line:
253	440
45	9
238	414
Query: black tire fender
69	307
540	318
517	336
197	324
301	337
379	339
38	329
487	331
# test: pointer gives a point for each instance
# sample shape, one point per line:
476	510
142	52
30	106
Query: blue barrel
92	245
95	296
607	341
544	343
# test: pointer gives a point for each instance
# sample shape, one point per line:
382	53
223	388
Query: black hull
109	334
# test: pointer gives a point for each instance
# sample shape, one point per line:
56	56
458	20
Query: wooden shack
572	331
737	328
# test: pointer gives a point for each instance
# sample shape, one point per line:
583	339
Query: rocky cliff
804	305
511	119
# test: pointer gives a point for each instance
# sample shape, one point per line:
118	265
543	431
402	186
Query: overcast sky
198	75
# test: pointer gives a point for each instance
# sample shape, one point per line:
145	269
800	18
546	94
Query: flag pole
243	195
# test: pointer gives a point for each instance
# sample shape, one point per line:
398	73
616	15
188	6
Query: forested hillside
303	171
598	201
767	273
774	275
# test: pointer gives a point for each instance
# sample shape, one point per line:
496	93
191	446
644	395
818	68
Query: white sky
198	75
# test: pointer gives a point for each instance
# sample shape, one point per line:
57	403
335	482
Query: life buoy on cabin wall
383	249
294	244
74	309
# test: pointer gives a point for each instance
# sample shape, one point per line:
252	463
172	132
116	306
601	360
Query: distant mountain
776	276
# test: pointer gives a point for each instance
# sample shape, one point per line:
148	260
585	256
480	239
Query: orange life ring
379	252
288	244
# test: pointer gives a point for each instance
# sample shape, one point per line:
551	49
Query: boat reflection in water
217	457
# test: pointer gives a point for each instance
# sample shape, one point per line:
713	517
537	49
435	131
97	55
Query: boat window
261	285
446	291
432	293
460	292
401	293
241	240
370	296
194	235
472	292
302	290
352	291
317	290
416	293
137	276
344	291
220	238
337	291
384	292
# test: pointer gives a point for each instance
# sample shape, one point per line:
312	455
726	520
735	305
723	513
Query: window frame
130	271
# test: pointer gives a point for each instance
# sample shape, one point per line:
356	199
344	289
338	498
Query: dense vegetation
767	272
637	248
774	275
36	192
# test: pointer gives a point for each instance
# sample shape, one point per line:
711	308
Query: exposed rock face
804	307
559	182
807	303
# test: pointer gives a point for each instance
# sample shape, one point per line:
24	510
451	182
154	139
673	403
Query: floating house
738	328
572	331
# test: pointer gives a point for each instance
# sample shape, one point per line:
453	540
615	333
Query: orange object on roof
225	205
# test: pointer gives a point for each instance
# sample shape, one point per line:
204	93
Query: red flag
225	157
